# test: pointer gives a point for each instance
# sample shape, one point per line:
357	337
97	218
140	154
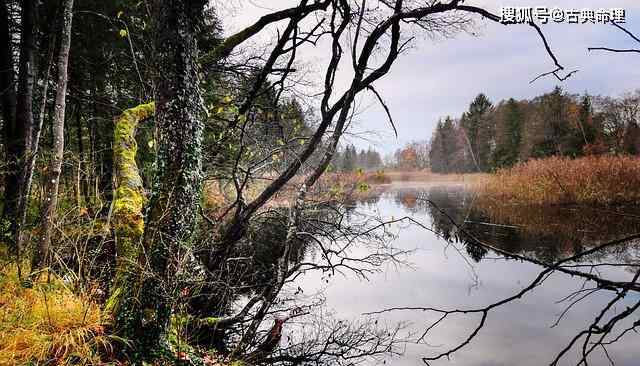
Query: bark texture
177	182
10	141
40	256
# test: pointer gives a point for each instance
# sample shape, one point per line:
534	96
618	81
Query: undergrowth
47	324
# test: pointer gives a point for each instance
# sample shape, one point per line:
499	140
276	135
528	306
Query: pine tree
349	159
508	148
479	132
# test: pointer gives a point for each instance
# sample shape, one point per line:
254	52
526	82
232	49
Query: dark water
447	271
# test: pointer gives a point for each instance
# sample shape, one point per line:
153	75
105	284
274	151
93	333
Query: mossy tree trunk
127	216
177	182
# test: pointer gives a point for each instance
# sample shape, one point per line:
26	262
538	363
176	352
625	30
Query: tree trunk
127	218
8	99
26	72
35	143
82	189
41	255
177	182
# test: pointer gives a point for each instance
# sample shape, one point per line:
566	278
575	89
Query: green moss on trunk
127	218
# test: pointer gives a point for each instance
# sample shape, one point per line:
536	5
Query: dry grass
427	176
340	186
593	180
48	325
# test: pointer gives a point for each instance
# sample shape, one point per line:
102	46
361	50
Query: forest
489	137
168	179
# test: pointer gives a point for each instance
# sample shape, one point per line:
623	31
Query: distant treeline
491	136
487	136
349	159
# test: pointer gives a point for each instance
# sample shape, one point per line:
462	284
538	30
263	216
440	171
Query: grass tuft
47	324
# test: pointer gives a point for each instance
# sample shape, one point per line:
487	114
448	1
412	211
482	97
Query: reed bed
427	176
593	180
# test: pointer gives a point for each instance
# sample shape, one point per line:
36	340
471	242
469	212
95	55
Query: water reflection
546	233
521	332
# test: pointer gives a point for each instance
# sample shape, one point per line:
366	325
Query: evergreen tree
508	148
479	132
586	120
349	159
444	146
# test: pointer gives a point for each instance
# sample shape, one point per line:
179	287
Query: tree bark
8	99
35	144
41	255
178	177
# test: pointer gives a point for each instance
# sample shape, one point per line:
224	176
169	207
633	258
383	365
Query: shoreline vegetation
48	321
600	181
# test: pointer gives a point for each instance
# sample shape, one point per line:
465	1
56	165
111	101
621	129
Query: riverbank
593	180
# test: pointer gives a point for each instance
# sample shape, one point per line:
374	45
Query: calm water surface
452	274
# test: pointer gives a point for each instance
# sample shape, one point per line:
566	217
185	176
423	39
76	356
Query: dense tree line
349	159
488	137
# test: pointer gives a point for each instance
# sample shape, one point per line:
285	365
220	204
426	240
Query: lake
448	271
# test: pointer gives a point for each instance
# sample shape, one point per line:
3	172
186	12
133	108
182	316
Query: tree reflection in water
585	243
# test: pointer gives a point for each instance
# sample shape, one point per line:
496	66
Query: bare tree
41	255
167	258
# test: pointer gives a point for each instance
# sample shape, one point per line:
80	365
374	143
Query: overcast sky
439	78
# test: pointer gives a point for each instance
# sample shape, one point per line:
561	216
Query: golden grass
48	324
345	185
427	176
593	180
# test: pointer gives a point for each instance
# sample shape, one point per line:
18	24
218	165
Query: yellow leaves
227	99
119	14
151	143
123	33
220	110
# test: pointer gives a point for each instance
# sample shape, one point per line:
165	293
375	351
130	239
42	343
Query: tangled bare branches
598	335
